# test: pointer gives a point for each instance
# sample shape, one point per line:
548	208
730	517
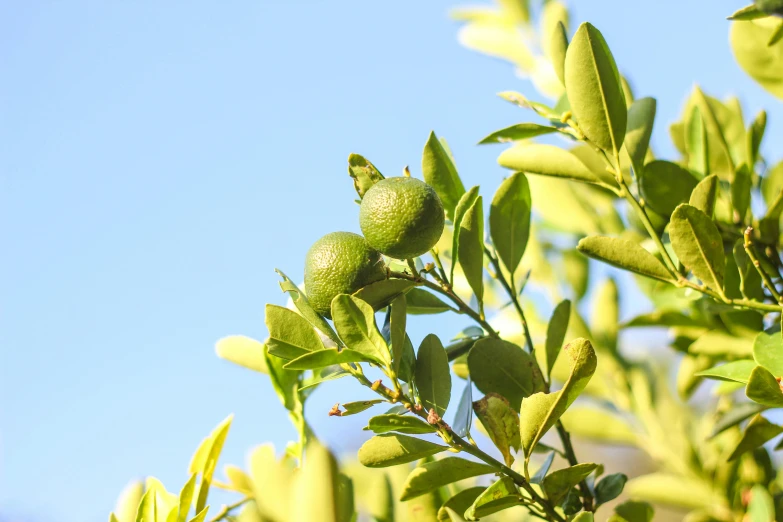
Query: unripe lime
402	217
339	263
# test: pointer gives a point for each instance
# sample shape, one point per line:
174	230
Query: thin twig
751	251
227	509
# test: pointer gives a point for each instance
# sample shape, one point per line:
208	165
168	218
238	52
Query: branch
751	251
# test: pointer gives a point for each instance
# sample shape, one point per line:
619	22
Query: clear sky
159	159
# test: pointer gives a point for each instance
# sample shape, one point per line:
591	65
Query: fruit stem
445	290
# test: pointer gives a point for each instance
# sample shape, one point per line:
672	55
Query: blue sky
159	159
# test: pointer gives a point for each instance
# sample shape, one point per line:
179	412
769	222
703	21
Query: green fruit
339	263
402	217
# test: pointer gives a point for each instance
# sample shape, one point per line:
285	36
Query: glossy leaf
541	411
665	185
698	245
764	389
768	352
303	305
465	203
609	488
441	174
381	293
547	160
471	247
749	12
705	194
735	371
459	503
555	333
758	432
498	366
421	302
433	378
399	423
391	449
463	419
501	422
364	174
520	131
397	323
624	254
594	90
509	220
355	322
557	483
328	357
502	494
641	117
433	475
290	335
541	472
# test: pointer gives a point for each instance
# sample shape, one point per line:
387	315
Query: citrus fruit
339	263
402	217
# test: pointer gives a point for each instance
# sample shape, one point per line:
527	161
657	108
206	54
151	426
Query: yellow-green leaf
547	160
433	475
758	432
624	254
698	245
501	422
440	172
243	351
433	378
509	220
391	449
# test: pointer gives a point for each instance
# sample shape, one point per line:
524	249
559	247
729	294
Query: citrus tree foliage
698	234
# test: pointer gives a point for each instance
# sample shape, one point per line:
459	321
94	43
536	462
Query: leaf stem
445	290
751	251
227	509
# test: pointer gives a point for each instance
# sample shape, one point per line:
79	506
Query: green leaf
609	488
749	12
318	482
433	475
555	333
128	501
541	411
758	432
605	315
328	373
459	503
594	89
665	185
205	460
400	423
471	247
290	335
558	46
391	449
520	131
576	270
201	516
463	419
355	322
303	305
421	302
761	507
734	416
740	190
599	425
327	357
498	366
666	318
364	174
238	479
243	351
698	245
501	422
271	479
674	490
557	483
509	220
776	36
352	408
503	494
440	172
633	511
147	507
750	280
465	203
697	143
547	160
763	388
754	137
624	254
768	352
381	293
641	117
541	472
704	195
186	498
736	371
433	377
397	323
284	381
717	343
584	516
712	124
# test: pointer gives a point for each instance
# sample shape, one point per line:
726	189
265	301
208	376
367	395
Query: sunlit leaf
433	475
392	449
